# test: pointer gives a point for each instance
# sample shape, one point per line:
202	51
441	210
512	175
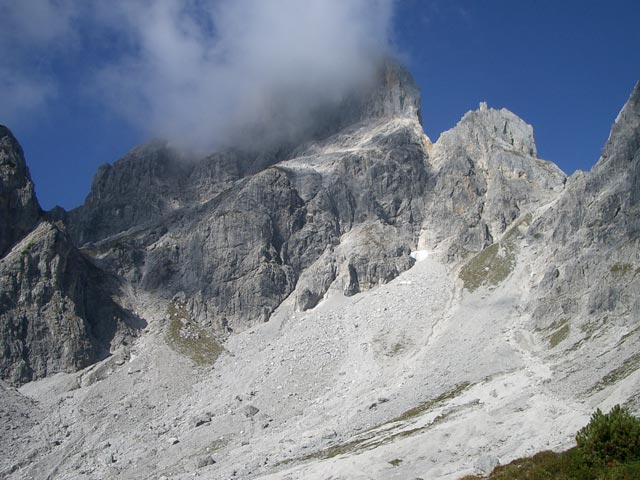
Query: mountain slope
433	309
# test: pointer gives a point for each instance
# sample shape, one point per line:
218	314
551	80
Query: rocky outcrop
238	232
56	308
154	180
143	185
19	209
233	232
487	174
594	231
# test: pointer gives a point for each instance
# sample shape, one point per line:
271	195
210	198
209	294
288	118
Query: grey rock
250	411
487	174
594	230
202	419
19	209
486	464
56	308
205	461
236	240
141	186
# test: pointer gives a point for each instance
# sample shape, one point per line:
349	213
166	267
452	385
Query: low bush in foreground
608	448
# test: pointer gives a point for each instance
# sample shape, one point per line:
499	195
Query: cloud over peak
199	71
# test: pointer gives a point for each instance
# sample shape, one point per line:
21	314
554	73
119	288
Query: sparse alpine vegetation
184	336
608	448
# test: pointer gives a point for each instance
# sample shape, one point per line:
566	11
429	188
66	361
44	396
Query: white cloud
30	29
202	70
198	71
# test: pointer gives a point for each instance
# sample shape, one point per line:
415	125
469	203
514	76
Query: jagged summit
19	208
624	139
489	128
396	94
487	174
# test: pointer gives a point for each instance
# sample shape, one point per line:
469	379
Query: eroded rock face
234	232
487	174
238	232
594	229
56	310
19	209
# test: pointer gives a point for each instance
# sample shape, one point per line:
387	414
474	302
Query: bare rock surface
57	310
19	209
487	174
433	309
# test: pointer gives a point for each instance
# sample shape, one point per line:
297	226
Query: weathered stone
56	308
19	209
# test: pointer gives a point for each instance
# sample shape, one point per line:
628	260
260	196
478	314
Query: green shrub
608	449
610	438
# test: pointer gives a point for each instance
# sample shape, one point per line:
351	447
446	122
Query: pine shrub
610	438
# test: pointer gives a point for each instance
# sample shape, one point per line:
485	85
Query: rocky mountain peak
19	209
624	139
501	128
396	94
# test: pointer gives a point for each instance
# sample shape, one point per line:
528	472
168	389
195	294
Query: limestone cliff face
56	310
153	180
19	209
238	232
593	230
234	231
234	234
487	174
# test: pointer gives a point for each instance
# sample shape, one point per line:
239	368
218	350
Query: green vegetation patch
186	337
495	263
489	267
629	366
431	404
560	335
608	448
621	269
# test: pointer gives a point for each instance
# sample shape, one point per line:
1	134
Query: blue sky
565	67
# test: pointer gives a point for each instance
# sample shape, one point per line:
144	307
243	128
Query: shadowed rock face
594	228
56	310
153	180
234	233
19	209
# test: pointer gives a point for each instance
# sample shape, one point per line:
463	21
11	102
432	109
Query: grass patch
395	462
186	337
559	336
621	269
629	366
431	404
608	448
495	263
489	267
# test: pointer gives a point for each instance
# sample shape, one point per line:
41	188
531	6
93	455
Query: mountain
56	310
356	303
